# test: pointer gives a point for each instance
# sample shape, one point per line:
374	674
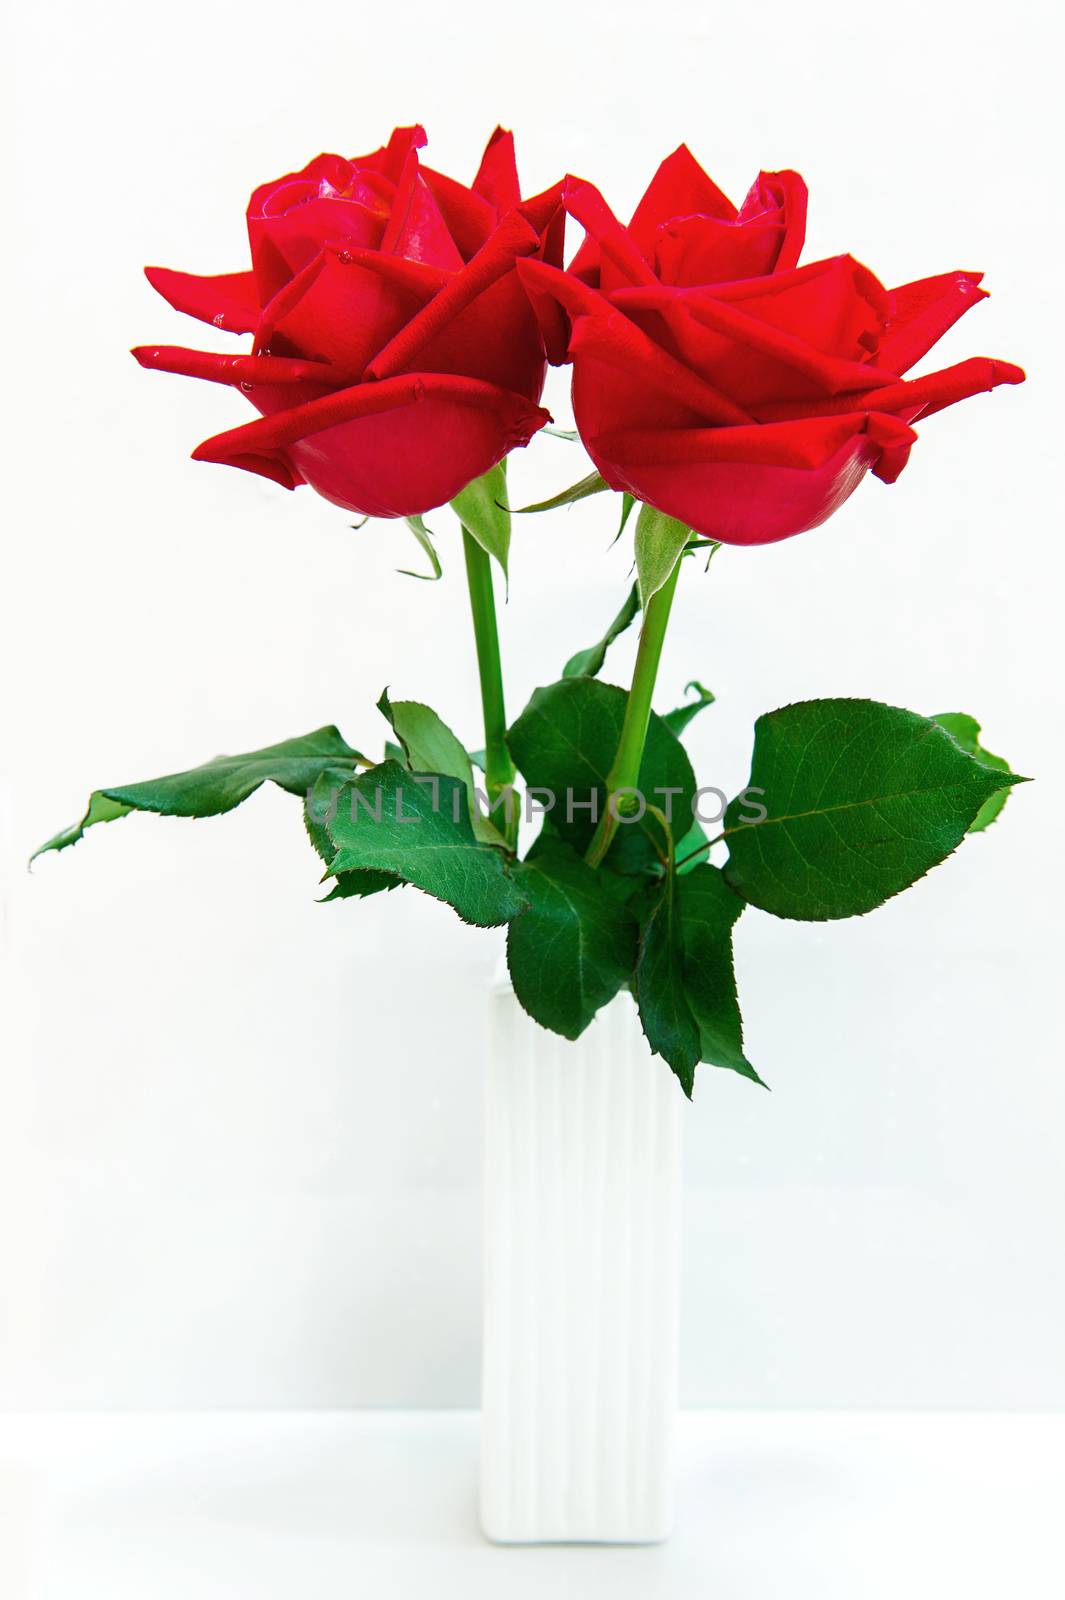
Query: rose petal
270	383
545	212
757	484
346	305
390	158
396	448
680	188
227	300
701	250
551	293
495	338
330	201
978	375
749	359
922	313
497	176
911	398
779	197
239	371
470	217
283	244
620	369
477	324
416	228
765	237
620	258
836	305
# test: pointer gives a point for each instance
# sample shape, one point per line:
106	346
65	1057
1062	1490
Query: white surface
239	1163
311	1507
583	1146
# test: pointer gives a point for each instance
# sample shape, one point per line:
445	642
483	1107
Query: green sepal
589	663
592	484
419	830
628	505
660	543
482	509
425	539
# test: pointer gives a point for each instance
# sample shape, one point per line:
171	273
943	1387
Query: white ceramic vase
581	1280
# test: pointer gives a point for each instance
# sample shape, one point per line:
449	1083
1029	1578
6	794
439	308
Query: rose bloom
395	356
716	379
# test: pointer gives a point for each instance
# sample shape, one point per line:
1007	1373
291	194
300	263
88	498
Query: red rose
396	356
722	383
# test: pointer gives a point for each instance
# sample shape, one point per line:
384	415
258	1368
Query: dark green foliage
685	983
419	832
575	946
221	784
564	742
966	730
862	799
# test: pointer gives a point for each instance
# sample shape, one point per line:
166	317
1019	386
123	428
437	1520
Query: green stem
625	772
499	769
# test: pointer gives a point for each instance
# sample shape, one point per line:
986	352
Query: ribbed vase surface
582	1280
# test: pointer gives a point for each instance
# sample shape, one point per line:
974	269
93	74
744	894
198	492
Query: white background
239	1131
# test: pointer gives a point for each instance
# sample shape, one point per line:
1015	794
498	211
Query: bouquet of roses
401	328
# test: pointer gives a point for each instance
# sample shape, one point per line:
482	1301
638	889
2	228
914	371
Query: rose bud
395	354
719	381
